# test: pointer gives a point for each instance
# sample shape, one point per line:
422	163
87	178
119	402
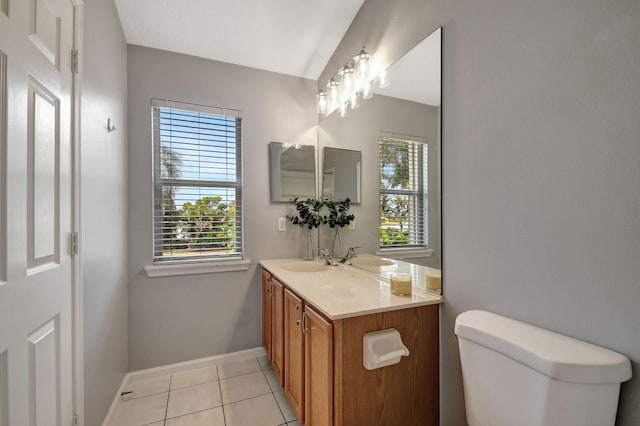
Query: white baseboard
149	373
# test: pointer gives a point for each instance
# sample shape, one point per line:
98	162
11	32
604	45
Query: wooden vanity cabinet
294	353
404	394
324	377
273	322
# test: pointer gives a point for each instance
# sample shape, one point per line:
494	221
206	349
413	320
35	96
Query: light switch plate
282	224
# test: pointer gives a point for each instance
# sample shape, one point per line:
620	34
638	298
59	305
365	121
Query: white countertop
345	291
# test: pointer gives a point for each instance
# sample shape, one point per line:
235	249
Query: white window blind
403	191
197	212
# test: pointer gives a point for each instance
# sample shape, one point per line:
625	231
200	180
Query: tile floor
244	393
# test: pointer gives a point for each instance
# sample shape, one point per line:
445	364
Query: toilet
518	374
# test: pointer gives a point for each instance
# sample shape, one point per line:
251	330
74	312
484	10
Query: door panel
294	353
42	186
318	350
44	29
36	339
44	367
277	330
4	383
266	313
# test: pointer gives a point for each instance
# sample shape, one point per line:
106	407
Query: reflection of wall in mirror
341	174
292	171
295	183
328	181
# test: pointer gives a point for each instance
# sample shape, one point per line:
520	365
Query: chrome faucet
351	253
324	255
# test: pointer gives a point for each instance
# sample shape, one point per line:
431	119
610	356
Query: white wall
186	317
541	184
103	208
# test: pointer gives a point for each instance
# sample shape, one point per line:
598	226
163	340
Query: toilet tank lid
555	355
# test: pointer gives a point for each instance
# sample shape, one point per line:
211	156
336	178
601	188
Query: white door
36	340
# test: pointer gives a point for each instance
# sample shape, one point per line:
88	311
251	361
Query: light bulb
362	66
367	90
322	102
334	93
347	82
383	79
343	109
354	102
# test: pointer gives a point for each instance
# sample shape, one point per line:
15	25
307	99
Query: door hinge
75	420
75	243
75	59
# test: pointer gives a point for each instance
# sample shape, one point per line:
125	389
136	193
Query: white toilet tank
518	374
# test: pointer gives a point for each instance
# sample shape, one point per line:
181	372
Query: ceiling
295	37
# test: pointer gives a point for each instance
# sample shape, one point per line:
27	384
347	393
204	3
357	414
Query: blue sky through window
206	147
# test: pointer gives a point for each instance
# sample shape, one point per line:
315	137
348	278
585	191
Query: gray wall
360	131
174	319
541	183
103	208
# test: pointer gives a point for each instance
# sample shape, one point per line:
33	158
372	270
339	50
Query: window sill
405	253
196	268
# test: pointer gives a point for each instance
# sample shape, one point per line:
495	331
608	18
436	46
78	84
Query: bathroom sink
304	266
370	261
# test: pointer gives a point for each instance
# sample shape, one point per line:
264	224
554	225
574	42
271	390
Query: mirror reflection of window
403	166
293	171
341	174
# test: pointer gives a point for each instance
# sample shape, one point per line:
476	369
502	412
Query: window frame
196	263
420	194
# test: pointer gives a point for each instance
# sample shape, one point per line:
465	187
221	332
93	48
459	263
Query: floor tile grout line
196	384
194	412
273	394
239	375
246	399
166	409
224	416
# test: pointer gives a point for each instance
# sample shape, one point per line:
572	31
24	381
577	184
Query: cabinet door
294	353
266	312
318	350
277	329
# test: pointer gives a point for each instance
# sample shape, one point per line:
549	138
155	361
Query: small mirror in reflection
341	174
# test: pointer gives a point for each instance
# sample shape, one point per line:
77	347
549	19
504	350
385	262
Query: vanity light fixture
354	81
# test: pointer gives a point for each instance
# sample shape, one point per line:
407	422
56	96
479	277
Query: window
197	182
403	191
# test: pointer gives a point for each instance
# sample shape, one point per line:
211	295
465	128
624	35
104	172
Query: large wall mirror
397	133
292	171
